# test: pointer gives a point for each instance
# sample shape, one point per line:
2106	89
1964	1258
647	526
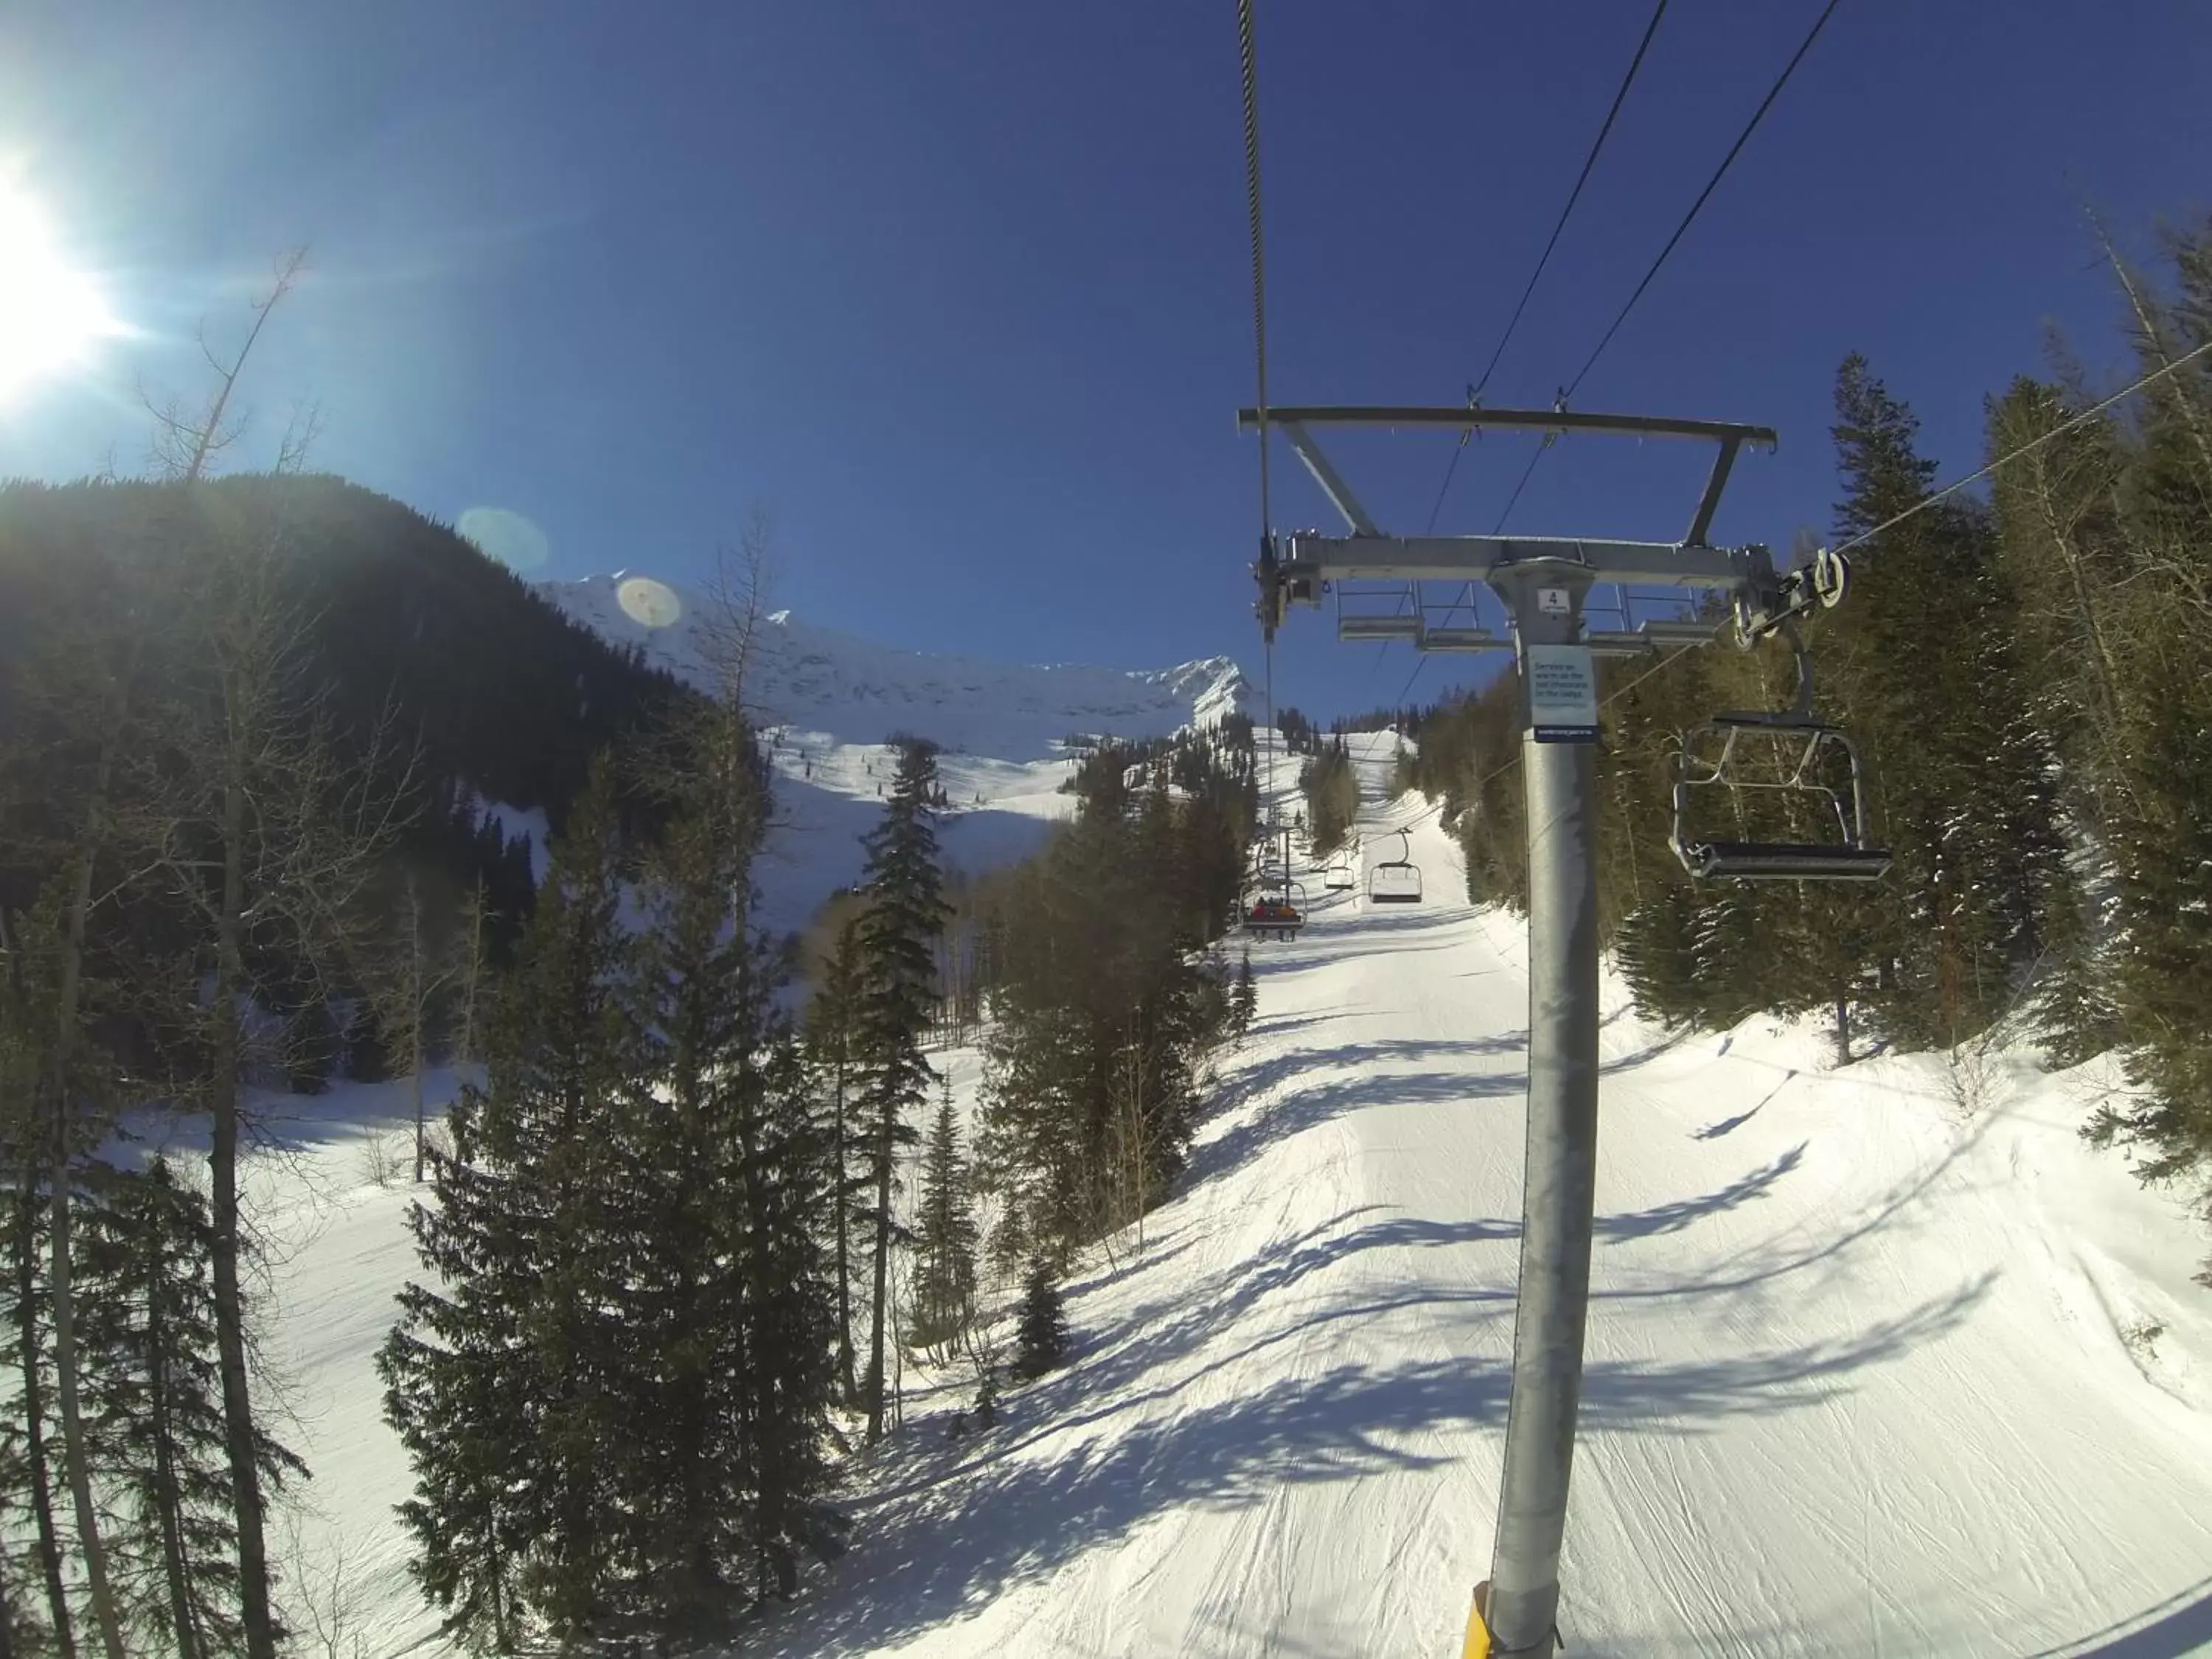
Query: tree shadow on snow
1730	1125
941	1547
1311	1107
1297	957
1760	1265
1673	1218
2181	1624
1263	1077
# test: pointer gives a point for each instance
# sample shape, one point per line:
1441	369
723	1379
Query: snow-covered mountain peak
856	691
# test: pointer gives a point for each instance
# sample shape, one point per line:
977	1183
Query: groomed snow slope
1868	1372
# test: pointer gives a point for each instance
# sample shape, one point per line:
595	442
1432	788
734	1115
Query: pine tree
154	1391
1655	948
1332	792
1041	1338
1930	683
500	1377
456	1369
944	1236
27	1492
905	911
833	1046
2111	542
1245	1001
680	1211
1103	1010
726	1313
27	1495
793	1187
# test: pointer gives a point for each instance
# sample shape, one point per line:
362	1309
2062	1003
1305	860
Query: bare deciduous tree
121	643
404	973
268	841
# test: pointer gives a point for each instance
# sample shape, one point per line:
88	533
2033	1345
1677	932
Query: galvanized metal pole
1558	763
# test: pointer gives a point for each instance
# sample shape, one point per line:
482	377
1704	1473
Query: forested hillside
490	691
249	730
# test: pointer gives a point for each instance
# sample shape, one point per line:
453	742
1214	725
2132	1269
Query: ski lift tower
1542	581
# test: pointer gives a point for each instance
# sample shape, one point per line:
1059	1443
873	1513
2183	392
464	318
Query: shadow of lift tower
1542	581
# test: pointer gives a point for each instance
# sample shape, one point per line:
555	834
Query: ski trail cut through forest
1868	1372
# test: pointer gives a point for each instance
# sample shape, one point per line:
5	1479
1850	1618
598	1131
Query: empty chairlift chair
1793	790
1336	875
1396	881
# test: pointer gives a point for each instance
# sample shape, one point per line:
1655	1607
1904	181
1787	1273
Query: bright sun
51	316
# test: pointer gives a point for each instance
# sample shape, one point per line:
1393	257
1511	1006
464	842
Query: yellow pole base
1478	1633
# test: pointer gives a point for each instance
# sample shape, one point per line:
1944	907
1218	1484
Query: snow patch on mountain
859	692
831	704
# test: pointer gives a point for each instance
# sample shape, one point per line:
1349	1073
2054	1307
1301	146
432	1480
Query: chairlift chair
1396	881
1336	875
1276	914
1782	768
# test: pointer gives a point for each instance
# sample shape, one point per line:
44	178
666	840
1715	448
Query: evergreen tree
1041	1337
502	1377
727	1314
1332	793
2108	541
678	1212
833	1038
1245	1004
27	1467
1931	682
154	1409
905	912
793	1187
1104	1006
944	1236
26	1494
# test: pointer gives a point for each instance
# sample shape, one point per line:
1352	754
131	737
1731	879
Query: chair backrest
1397	883
1800	782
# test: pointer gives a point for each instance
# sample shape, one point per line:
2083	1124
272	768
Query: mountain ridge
856	690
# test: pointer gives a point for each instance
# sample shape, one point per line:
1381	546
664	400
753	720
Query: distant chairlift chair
1276	914
1336	875
1273	913
1791	765
1396	881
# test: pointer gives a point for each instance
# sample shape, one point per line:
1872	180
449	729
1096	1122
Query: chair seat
1744	861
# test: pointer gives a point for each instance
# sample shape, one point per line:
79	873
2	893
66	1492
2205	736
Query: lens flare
646	601
507	537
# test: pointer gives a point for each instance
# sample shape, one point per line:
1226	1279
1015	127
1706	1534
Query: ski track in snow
1860	1377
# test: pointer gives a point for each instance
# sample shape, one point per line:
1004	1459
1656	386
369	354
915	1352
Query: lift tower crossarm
1460	417
1730	436
1462	558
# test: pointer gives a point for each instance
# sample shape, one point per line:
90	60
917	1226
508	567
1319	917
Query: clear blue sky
960	290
